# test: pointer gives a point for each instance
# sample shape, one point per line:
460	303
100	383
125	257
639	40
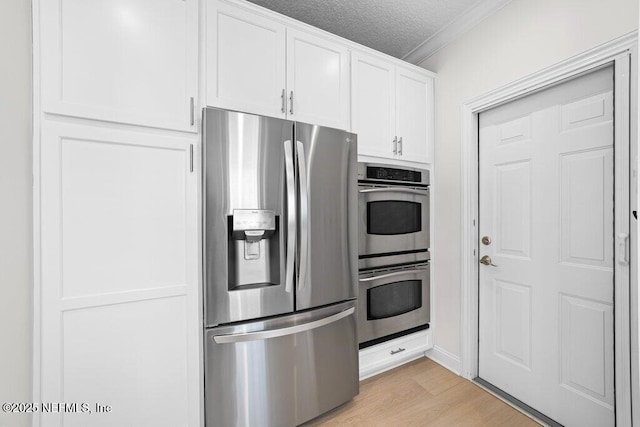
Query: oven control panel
368	172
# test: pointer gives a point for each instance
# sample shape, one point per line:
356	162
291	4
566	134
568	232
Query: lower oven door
392	301
393	222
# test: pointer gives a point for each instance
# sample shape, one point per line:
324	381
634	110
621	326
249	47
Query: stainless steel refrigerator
280	269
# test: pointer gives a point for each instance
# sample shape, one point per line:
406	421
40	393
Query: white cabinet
245	61
392	109
119	293
258	65
131	61
414	115
387	355
317	80
373	99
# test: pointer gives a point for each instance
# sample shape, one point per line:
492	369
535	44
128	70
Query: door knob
486	260
486	240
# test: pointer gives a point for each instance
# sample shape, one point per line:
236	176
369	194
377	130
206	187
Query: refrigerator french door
280	269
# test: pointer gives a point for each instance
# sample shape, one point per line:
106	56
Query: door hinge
623	248
191	157
291	103
192	112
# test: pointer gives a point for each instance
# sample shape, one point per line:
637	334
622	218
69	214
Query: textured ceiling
394	27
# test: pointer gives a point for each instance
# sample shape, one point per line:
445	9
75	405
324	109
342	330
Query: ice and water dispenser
254	249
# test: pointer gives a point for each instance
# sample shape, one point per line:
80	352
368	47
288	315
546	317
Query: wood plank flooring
422	393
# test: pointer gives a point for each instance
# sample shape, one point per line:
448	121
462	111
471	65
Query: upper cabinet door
245	61
133	61
414	115
373	104
317	80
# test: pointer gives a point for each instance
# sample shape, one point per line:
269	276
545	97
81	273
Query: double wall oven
393	259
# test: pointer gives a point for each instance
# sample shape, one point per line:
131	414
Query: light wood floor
422	393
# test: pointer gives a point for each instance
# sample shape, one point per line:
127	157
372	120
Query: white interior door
546	207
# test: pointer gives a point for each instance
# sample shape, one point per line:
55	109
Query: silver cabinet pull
191	157
192	111
400	146
399	350
395	145
274	333
291	214
291	103
282	102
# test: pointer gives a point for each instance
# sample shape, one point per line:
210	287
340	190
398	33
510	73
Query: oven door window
394	299
391	217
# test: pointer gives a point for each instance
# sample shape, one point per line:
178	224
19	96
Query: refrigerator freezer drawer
282	371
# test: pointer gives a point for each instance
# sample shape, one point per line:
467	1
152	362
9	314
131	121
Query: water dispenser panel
253	225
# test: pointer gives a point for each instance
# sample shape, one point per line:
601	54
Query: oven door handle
394	274
395	190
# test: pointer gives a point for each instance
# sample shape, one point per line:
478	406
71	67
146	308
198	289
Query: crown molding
463	23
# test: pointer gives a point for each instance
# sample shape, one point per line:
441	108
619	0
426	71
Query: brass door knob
486	260
486	240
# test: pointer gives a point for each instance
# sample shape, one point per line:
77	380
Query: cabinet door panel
318	75
373	104
132	62
414	115
245	61
119	295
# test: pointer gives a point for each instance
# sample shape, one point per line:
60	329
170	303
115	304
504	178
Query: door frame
618	52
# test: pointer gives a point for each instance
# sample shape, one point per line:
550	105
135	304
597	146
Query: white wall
15	208
523	37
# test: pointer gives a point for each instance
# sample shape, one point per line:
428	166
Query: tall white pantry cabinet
117	291
119	88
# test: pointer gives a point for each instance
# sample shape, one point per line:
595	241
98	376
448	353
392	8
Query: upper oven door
392	220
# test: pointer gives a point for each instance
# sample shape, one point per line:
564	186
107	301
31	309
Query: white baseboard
444	358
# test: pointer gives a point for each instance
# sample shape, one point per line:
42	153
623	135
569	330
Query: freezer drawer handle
397	273
393	190
274	333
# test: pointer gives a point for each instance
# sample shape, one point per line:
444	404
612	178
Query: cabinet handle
291	103
395	145
399	350
400	146
191	157
192	111
282	106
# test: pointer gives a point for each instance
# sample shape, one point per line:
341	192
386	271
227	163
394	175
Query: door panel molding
618	52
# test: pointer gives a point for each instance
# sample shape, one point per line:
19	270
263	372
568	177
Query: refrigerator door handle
274	333
291	215
304	215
